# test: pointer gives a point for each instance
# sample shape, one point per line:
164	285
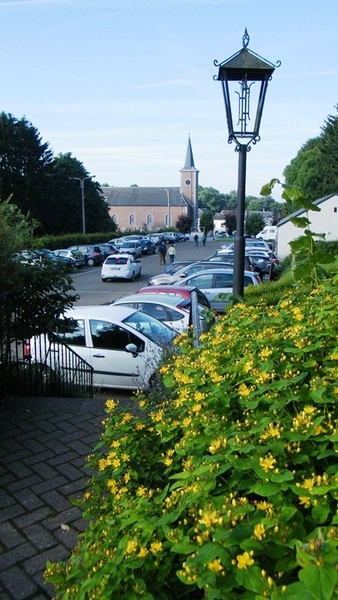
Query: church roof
144	196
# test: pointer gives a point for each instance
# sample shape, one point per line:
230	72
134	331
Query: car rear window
117	260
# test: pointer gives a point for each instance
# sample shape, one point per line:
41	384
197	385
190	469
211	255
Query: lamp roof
245	64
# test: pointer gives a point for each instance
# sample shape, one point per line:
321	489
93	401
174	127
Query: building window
150	221
132	220
335	209
115	219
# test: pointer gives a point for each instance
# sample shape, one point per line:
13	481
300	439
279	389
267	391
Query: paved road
92	290
43	448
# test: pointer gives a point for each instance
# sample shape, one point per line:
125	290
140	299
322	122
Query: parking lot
88	284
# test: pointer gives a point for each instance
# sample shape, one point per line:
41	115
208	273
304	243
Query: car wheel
104	279
90	262
132	277
139	273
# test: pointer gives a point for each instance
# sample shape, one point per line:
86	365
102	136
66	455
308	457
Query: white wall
324	221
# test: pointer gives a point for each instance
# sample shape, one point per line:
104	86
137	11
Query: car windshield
151	328
129	244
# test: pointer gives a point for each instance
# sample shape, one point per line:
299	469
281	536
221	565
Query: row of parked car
124	342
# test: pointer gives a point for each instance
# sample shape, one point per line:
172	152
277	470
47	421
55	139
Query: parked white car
218	281
174	311
124	346
120	266
249	243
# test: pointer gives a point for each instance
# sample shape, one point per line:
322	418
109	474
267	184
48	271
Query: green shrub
228	488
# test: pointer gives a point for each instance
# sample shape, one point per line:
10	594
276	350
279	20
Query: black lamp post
238	75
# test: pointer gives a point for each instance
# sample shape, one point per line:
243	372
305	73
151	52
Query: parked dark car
229	259
107	249
147	245
46	256
93	255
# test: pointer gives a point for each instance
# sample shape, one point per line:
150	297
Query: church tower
189	183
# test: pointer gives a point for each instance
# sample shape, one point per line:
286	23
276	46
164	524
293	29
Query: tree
24	164
207	221
183	223
43	291
254	223
314	169
231	222
211	199
64	211
40	184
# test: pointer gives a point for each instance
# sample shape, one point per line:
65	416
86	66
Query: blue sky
121	83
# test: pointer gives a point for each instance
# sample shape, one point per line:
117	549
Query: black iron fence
34	362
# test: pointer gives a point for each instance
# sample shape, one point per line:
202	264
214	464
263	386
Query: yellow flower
304	500
111	404
259	531
215	565
156	547
141	491
131	547
244	560
209	518
267	463
243	390
142	553
308	484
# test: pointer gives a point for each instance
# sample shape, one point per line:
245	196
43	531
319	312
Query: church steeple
189	157
189	182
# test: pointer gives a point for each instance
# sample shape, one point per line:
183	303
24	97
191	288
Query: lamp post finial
246	38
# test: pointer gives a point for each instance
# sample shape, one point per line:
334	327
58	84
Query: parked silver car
218	281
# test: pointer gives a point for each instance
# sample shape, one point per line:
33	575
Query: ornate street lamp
238	75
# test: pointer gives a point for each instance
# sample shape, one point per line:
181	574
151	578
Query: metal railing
34	362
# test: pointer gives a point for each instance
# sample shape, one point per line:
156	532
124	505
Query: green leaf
266	489
320	580
183	547
250	579
320	512
295	591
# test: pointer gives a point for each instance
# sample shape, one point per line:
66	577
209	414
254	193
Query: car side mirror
183	275
132	349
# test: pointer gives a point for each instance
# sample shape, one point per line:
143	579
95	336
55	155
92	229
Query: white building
324	221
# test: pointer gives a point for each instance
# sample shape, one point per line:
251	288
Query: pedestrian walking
171	253
196	239
204	238
162	250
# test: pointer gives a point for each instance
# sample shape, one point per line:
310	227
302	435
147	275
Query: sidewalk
43	448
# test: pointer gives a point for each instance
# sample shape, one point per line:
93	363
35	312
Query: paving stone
15	556
71	488
38	562
37	458
32	517
63	458
18	584
28	499
39	536
45	486
10	512
9	536
20	484
72	473
19	469
55	500
45	471
66	517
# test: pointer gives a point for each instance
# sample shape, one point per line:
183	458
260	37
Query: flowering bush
228	488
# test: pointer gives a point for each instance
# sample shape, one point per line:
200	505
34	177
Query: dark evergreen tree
24	164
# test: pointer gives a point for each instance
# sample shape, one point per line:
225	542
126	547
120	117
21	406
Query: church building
152	208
